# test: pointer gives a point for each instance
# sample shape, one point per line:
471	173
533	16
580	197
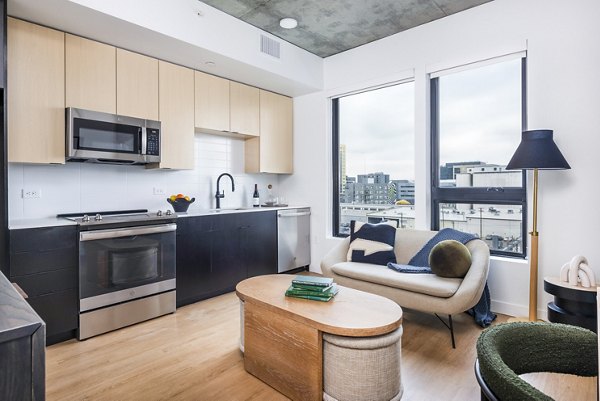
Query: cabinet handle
20	290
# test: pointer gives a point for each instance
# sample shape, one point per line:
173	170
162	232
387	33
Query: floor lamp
537	151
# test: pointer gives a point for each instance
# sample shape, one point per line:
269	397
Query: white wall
76	187
562	41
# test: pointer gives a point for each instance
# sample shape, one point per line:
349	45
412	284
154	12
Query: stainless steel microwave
109	138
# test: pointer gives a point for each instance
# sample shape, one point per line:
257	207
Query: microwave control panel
152	142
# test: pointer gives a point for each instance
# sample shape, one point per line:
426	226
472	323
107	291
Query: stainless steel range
126	268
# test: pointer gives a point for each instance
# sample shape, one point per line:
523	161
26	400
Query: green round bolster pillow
450	258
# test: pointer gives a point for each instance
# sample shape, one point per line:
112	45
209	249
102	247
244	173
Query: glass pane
376	156
480	125
500	226
90	138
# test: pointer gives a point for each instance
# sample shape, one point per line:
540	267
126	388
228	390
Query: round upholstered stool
362	368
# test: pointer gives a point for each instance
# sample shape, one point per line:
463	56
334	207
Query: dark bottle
255	197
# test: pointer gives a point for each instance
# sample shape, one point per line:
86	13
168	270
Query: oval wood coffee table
283	336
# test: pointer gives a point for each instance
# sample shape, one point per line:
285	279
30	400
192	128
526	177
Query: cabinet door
193	259
258	242
43	262
244	109
212	102
176	113
60	311
36	99
91	75
227	268
137	85
272	152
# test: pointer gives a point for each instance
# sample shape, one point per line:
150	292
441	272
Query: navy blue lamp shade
537	150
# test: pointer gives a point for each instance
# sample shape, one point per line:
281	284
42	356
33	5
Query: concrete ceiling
327	27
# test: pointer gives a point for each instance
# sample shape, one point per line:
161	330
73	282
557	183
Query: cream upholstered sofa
422	292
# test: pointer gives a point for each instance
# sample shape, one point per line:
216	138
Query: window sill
508	259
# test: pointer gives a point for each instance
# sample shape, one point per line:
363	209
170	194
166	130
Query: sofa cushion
371	243
428	284
450	258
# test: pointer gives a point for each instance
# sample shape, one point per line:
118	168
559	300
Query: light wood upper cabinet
137	85
244	109
176	112
91	75
212	102
272	151
36	99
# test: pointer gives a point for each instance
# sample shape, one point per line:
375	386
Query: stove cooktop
119	218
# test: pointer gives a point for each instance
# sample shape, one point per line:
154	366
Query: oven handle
126	232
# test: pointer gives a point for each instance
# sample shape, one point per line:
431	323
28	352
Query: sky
377	128
480	120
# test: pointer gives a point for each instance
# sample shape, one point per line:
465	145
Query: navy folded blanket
419	264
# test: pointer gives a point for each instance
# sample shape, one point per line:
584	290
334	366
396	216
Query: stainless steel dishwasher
293	239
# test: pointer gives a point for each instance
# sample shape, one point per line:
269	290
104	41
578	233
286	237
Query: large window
373	157
478	115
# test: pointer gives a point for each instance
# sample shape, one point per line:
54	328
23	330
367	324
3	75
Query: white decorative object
578	272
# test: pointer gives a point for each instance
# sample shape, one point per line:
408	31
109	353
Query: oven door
118	265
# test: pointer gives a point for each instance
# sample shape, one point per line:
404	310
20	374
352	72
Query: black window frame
478	195
335	145
335	155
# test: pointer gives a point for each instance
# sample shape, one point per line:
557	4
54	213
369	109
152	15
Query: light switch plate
158	191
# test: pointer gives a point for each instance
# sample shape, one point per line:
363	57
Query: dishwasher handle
293	214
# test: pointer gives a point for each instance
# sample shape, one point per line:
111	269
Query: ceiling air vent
270	46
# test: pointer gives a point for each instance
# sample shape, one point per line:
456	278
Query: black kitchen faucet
220	194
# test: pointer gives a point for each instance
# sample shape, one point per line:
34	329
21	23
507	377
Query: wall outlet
28	193
158	191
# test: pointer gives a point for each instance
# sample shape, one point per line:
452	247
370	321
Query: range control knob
159	213
98	217
85	218
169	212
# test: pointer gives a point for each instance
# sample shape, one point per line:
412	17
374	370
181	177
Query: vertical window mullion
336	166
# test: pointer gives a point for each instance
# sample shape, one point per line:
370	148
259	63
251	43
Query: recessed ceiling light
209	63
288	23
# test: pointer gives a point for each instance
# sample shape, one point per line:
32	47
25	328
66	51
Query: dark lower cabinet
258	242
216	252
43	262
22	351
194	258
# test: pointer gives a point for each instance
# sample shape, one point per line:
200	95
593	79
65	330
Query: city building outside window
373	157
477	116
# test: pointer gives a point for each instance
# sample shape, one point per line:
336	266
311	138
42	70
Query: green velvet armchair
506	351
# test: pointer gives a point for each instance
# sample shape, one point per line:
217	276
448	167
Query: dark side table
572	304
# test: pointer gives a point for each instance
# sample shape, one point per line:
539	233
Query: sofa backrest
409	242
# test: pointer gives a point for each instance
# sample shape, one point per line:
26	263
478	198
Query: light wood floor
193	355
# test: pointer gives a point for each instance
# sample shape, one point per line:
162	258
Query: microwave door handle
143	139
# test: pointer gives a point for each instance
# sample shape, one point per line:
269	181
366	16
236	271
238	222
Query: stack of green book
310	287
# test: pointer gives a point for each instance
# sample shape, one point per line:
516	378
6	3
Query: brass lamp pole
537	151
533	261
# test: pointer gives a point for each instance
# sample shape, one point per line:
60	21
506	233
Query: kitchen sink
229	209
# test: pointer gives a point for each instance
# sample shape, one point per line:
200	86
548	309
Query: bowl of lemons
180	202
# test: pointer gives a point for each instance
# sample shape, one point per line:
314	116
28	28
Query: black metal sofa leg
449	326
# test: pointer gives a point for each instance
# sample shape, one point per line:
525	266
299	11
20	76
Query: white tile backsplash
82	187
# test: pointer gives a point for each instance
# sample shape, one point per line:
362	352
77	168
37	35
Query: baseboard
510	309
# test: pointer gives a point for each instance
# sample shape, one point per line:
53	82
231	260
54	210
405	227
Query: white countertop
18	224
211	212
39	222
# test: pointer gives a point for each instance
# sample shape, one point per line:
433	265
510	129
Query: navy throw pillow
371	243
